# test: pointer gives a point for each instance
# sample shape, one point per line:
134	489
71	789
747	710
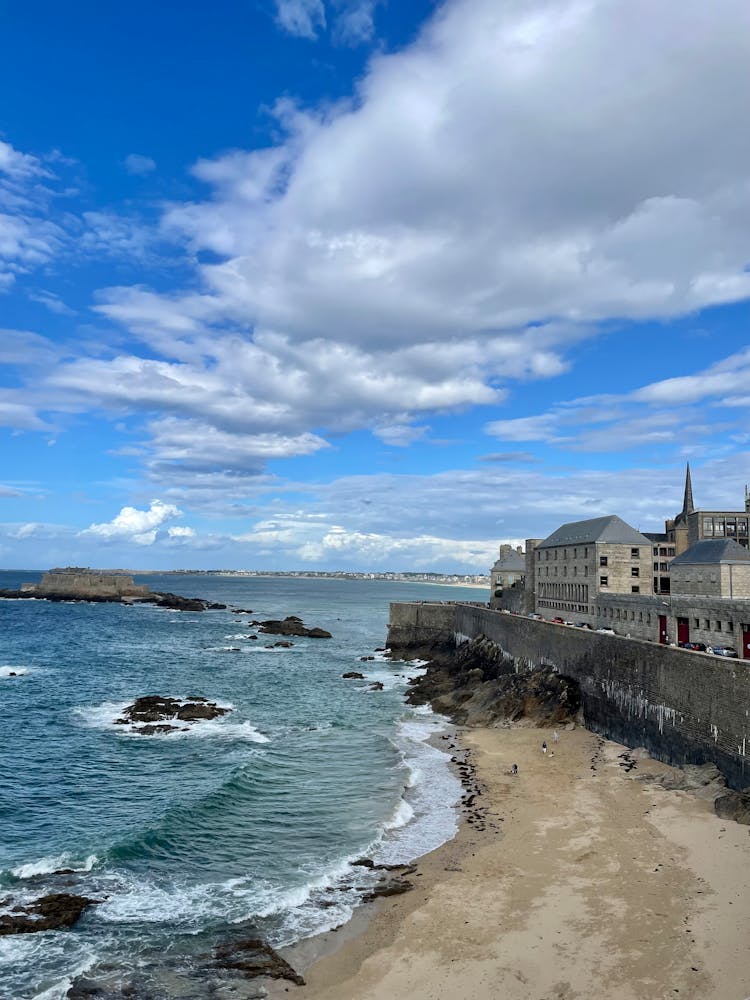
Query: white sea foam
103	717
45	866
432	793
402	814
10	670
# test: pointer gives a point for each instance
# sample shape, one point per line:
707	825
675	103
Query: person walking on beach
514	769
555	737
544	747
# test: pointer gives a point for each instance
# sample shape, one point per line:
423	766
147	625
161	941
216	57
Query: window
718	626
585	553
656	567
635	571
730	626
603	581
656	550
706	624
708	526
697	622
635	590
670	552
575	571
635	553
602	560
640	616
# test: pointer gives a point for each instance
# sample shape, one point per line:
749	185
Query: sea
230	828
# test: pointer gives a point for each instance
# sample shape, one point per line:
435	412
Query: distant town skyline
349	285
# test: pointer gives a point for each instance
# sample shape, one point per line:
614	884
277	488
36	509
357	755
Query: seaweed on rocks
480	686
48	913
254	957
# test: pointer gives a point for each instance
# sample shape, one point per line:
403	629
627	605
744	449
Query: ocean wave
432	793
48	865
10	671
103	717
402	814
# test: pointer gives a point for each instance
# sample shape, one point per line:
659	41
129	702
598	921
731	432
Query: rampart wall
684	707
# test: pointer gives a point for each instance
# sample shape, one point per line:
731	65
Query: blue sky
359	284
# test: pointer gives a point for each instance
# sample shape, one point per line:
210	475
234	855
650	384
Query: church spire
688	507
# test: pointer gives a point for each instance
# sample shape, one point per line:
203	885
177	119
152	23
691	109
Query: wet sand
584	884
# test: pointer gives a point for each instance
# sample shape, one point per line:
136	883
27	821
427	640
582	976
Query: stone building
584	560
80	582
691	525
507	570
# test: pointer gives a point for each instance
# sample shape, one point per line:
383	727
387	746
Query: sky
367	284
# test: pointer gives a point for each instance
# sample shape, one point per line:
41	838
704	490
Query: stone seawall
424	630
684	707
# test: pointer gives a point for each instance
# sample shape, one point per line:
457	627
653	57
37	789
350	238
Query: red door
663	629
683	630
746	642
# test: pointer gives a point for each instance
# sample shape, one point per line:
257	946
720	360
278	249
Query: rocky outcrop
734	805
107	595
291	625
254	957
48	913
159	713
480	686
353	675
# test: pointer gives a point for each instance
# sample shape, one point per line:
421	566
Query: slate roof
611	529
510	561
712	551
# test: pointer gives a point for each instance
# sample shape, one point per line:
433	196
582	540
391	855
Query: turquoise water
247	822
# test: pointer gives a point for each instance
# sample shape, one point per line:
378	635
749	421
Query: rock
151	729
241	611
177	603
703	780
376	686
734	805
292	625
353	675
364	659
480	686
388	887
284	644
254	957
157	708
48	913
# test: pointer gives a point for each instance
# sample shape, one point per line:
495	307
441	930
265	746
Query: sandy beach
579	881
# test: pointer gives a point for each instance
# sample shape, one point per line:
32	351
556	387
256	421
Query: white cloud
137	526
179	532
301	17
20	166
139	165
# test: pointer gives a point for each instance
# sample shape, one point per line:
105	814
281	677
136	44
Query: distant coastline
479	580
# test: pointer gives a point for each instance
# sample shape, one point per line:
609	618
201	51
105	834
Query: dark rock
177	603
254	957
389	887
376	686
284	644
241	611
292	625
363	863
364	659
48	913
353	675
734	805
151	729
480	686
158	709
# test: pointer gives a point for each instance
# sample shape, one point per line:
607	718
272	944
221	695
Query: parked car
583	625
723	651
609	631
558	620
